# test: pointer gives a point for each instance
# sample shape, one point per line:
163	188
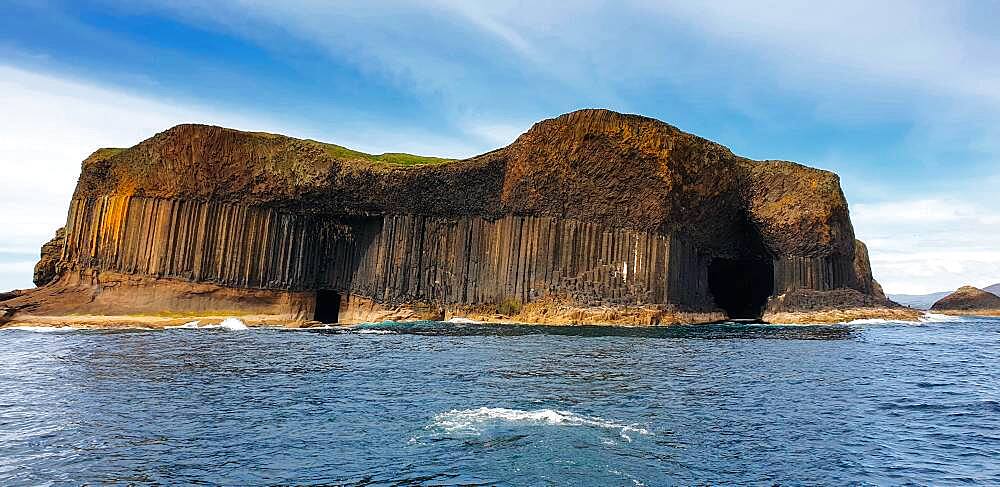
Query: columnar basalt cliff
591	216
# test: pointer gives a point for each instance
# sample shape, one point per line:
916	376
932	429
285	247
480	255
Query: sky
901	99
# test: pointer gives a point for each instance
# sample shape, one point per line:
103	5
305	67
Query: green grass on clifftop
393	158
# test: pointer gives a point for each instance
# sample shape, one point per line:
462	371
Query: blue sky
902	99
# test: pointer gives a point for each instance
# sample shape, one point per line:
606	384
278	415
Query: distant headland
968	300
590	217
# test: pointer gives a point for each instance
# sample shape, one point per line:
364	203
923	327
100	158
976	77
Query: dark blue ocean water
444	404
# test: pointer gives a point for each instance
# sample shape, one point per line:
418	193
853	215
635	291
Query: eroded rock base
89	299
835	306
95	293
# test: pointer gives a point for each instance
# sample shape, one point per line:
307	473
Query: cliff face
47	268
593	207
968	298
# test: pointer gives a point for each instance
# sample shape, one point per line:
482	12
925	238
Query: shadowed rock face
968	298
46	270
595	207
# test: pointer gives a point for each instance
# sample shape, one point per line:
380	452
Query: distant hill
918	301
925	301
995	289
968	298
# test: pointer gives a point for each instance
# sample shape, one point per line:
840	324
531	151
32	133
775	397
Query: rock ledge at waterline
590	217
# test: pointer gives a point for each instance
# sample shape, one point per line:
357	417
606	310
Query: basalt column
394	259
476	261
227	244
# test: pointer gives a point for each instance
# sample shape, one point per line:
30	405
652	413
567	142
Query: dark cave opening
741	287
327	306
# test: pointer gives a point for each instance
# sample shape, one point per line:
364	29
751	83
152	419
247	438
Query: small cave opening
327	306
741	287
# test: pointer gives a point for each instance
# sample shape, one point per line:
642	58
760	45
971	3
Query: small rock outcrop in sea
968	300
593	216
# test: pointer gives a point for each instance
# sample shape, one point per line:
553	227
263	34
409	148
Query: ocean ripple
476	404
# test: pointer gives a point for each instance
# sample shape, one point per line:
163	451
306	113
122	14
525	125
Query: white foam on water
939	318
875	321
42	329
309	328
365	331
925	318
464	321
230	324
624	475
472	421
188	325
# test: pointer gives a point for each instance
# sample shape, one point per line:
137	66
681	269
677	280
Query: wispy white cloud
931	244
490	18
900	45
853	61
926	211
50	125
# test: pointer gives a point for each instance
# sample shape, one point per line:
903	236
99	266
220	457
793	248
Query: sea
429	403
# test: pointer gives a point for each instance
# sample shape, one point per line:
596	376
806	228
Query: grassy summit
340	152
394	158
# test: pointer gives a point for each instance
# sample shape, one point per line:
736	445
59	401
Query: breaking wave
230	324
939	318
474	421
370	331
464	321
43	329
925	318
874	321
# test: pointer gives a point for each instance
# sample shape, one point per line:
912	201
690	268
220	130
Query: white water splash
875	321
925	318
464	321
230	324
366	331
939	318
42	329
188	325
473	421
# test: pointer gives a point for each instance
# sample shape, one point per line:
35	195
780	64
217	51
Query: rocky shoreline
843	315
563	316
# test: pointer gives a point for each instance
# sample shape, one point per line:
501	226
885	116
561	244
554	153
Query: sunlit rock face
590	209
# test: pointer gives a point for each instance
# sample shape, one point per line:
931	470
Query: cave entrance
327	306
741	287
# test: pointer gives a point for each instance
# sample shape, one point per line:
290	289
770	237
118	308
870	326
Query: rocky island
968	300
590	217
